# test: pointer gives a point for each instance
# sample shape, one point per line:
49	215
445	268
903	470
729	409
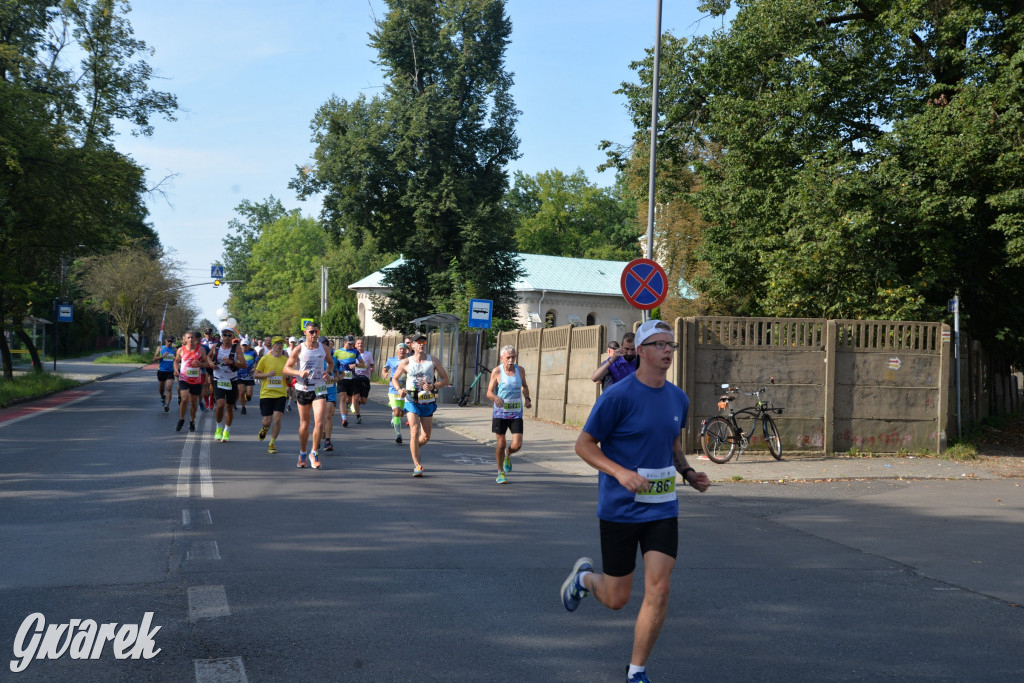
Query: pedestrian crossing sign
217	272
303	323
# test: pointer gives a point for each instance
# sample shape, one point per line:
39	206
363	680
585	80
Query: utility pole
656	75
323	292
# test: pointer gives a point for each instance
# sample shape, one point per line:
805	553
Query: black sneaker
167	408
328	446
398	439
359	419
243	410
191	426
180	424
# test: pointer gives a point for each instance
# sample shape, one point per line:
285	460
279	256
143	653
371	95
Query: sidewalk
83	369
551	445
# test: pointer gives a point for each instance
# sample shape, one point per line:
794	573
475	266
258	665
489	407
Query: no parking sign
644	284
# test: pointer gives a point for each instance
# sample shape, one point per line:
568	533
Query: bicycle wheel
772	438
718	440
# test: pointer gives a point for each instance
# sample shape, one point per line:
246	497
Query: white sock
580	577
634	669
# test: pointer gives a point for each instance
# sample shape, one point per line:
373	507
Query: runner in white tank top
424	376
306	365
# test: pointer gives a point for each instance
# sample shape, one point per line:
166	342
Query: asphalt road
259	571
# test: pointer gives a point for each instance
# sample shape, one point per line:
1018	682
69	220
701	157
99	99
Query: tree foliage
132	285
65	190
853	159
421	168
567	215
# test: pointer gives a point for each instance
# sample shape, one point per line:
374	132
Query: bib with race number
192	372
274	382
347	374
224	384
513	406
425	396
320	389
663	485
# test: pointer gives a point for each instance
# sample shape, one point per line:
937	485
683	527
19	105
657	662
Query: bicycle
721	436
463	400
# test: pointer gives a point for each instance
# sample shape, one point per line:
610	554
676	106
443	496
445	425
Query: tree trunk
5	353
37	364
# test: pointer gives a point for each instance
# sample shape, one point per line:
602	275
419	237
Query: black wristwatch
685	470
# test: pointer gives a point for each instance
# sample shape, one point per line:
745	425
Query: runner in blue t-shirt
165	372
632	438
395	400
244	376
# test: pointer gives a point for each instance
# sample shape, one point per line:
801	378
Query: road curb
28	399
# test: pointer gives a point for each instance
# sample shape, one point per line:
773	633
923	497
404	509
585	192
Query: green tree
855	159
285	278
421	168
65	191
132	285
244	232
567	215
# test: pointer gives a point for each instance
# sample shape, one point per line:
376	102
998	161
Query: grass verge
132	358
961	451
32	385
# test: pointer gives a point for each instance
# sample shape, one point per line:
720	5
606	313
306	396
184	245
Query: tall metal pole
654	140
956	361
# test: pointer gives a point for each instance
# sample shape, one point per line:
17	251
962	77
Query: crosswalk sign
217	272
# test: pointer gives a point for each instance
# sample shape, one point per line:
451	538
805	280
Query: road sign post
644	284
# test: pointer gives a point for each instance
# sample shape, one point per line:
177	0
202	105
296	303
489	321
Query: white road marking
207	602
186	519
205	516
185	465
203	550
205	478
230	670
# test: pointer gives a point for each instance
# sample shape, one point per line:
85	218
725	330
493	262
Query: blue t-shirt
167	358
392	364
250	363
636	426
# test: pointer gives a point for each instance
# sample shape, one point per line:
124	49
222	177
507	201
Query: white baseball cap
651	328
293	339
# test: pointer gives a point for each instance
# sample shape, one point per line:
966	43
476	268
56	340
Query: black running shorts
194	389
305	398
499	425
619	541
269	406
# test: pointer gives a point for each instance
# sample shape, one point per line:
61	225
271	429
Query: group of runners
632	437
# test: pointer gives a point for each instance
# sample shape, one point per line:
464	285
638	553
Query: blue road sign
480	312
65	313
217	272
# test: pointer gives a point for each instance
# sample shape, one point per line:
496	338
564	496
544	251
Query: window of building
591	319
549	319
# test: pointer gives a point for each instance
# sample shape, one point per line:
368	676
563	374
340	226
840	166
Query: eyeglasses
312	331
660	345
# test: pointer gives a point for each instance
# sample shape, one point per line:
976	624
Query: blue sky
250	75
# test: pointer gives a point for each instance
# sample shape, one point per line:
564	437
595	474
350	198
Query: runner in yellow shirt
273	391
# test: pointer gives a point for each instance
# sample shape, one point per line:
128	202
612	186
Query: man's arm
526	389
442	373
177	362
493	385
588	449
293	359
402	365
602	370
697	480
